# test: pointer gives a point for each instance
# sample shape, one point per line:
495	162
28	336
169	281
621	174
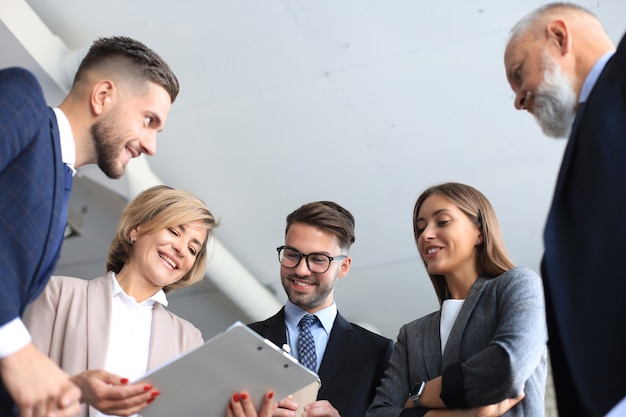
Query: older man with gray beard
565	71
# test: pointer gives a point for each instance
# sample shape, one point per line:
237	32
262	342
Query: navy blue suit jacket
353	364
585	246
32	189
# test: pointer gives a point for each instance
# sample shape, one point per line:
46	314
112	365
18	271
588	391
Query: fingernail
244	396
150	400
147	387
124	380
270	395
236	397
230	406
155	393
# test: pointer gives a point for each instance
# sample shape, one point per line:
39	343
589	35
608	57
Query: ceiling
283	102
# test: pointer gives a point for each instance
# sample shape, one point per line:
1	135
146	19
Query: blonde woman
109	330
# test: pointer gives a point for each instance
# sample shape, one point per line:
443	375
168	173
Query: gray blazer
496	349
69	322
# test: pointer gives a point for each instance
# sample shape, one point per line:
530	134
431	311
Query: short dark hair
135	58
326	215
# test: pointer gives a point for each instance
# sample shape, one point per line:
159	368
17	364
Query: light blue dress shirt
320	330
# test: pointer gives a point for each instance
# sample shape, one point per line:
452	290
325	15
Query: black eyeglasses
318	263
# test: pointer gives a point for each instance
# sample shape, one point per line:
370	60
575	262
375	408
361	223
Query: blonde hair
492	257
155	209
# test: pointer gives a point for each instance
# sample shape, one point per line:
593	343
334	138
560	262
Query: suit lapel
580	114
430	352
161	336
339	344
99	305
569	151
275	329
52	250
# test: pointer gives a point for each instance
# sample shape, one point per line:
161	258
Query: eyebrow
436	213
307	254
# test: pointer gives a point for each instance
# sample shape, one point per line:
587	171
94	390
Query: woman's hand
111	394
492	410
496	410
241	405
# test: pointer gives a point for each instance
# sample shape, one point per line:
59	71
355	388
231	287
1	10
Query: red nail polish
150	400
155	393
236	398
147	387
124	380
244	396
230	406
270	395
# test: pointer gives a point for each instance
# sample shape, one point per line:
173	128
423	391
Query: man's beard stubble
106	146
555	100
307	302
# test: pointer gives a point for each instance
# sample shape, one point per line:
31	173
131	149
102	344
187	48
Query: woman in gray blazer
112	329
487	342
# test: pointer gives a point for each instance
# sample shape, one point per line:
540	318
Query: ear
132	235
558	34
345	267
102	96
479	239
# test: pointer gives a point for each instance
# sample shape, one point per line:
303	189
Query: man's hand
110	393
320	409
285	408
38	386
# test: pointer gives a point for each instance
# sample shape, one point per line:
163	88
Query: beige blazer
69	322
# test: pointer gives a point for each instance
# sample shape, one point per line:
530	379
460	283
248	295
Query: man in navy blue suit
120	99
566	72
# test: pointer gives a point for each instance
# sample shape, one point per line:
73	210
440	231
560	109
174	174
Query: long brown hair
492	257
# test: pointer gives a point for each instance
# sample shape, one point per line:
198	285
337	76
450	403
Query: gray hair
528	21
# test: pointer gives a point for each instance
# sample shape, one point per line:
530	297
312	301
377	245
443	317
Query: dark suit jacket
32	188
353	363
585	244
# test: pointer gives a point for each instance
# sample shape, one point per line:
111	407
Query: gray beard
555	101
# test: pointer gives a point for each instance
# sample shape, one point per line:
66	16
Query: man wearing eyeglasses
349	359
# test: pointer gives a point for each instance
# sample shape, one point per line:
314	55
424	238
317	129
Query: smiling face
447	239
161	258
129	128
309	291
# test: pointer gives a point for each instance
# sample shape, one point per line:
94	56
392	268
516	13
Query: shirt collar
591	79
159	297
326	316
68	147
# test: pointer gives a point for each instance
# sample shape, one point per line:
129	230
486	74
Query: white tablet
201	382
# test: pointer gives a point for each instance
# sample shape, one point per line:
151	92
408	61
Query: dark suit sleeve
22	109
21	100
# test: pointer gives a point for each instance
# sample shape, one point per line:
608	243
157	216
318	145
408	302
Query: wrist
416	394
